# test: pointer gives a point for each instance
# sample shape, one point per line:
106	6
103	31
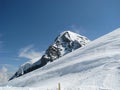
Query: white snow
93	67
73	35
65	43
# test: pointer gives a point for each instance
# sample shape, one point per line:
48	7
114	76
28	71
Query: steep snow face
65	43
94	67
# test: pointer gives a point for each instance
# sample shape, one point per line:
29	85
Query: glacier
93	67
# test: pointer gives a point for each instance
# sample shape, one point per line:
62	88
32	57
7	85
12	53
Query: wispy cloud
77	29
6	71
3	75
29	52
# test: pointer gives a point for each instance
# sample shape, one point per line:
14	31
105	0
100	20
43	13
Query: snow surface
65	43
93	67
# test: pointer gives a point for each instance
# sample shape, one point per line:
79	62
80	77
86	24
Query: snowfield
93	67
38	88
63	44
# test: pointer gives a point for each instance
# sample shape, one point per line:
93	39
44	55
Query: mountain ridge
65	43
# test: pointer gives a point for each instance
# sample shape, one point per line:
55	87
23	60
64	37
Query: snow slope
65	43
93	67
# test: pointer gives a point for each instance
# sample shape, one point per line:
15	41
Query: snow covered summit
65	43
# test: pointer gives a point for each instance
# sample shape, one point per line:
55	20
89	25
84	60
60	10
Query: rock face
65	43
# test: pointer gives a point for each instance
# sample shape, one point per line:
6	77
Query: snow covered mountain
93	67
65	43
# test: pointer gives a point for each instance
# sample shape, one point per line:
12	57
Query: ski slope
93	67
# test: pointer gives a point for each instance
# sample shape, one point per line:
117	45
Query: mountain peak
70	33
67	32
65	43
68	41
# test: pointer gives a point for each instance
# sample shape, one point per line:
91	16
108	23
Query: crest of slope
96	65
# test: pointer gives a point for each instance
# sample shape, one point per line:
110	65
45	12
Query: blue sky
28	27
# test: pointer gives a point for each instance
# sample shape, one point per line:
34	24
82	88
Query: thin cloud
77	29
29	52
3	75
6	72
10	68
